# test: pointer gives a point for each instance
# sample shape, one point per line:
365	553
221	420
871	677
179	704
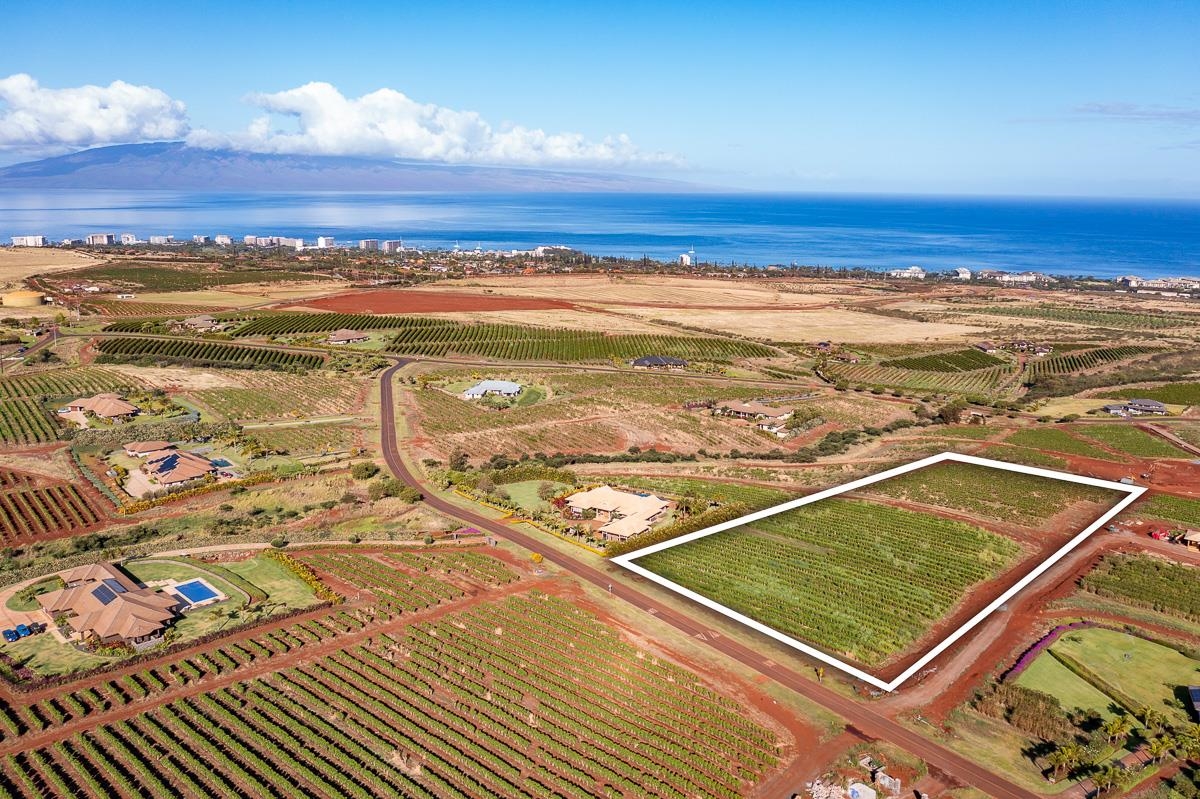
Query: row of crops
1148	582
488	702
520	343
1130	320
129	308
25	421
307	439
967	360
204	353
855	578
991	493
30	513
285	324
1070	362
982	381
190	277
73	382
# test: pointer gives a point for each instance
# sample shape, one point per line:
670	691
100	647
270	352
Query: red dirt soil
404	301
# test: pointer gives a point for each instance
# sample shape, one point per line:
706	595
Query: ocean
1104	238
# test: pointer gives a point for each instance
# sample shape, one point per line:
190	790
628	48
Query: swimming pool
195	592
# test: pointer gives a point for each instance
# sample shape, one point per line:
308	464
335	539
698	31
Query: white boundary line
627	560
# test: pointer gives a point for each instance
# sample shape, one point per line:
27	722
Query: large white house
911	273
624	514
493	388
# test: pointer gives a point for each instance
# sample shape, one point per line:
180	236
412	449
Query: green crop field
71	383
859	579
1126	438
1071	362
129	308
286	324
980	381
1093	316
201	353
1056	440
518	343
191	278
304	439
991	493
1171	393
25	421
266	397
1149	582
967	360
1174	509
752	496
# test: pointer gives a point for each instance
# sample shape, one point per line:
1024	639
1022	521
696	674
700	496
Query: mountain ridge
176	166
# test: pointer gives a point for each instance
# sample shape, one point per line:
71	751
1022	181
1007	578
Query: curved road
855	713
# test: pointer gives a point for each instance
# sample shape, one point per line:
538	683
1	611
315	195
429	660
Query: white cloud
388	124
33	117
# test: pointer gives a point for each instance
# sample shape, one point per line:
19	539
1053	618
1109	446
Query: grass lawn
1132	440
46	656
529	396
1049	676
1149	673
25	600
525	493
279	583
1055	440
986	740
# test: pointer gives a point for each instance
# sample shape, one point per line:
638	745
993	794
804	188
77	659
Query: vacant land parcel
866	578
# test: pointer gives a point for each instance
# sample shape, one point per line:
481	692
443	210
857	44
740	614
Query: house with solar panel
101	605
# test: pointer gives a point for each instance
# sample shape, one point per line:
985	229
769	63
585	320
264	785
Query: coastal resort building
658	362
103	605
346	336
1136	407
171	467
103	406
911	273
492	388
624	514
753	410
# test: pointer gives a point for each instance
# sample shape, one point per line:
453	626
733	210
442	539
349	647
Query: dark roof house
658	362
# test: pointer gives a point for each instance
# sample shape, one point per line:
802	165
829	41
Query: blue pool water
196	592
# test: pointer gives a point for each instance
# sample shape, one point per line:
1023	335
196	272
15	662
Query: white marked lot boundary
627	560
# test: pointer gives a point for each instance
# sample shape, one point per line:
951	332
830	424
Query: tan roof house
171	467
624	514
103	604
140	449
753	410
202	322
346	336
106	406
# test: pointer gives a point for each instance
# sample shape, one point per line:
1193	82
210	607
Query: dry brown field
19	263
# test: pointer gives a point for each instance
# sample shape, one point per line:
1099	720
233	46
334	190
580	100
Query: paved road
855	713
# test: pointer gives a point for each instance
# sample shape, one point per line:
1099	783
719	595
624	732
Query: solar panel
114	584
104	594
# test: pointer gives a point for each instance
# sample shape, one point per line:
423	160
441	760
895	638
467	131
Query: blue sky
1067	98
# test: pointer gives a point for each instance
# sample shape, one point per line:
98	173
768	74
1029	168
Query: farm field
1096	317
1126	438
30	513
1169	394
1082	360
179	277
1185	512
24	421
516	727
1057	440
967	360
307	439
408	301
202	354
18	264
982	381
70	383
271	396
140	308
752	496
1158	584
861	580
996	494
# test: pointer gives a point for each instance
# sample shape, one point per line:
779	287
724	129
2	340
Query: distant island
177	167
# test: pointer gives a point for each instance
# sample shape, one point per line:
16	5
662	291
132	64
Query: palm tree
1060	761
1071	756
1109	776
1155	720
1158	748
1187	741
1117	728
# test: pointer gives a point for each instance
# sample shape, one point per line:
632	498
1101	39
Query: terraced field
981	381
858	579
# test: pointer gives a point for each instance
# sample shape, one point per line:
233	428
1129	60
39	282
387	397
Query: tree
1158	748
546	490
364	470
952	411
485	484
459	461
1117	728
1154	720
1109	776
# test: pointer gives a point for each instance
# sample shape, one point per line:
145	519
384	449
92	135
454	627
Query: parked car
23	630
11	635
